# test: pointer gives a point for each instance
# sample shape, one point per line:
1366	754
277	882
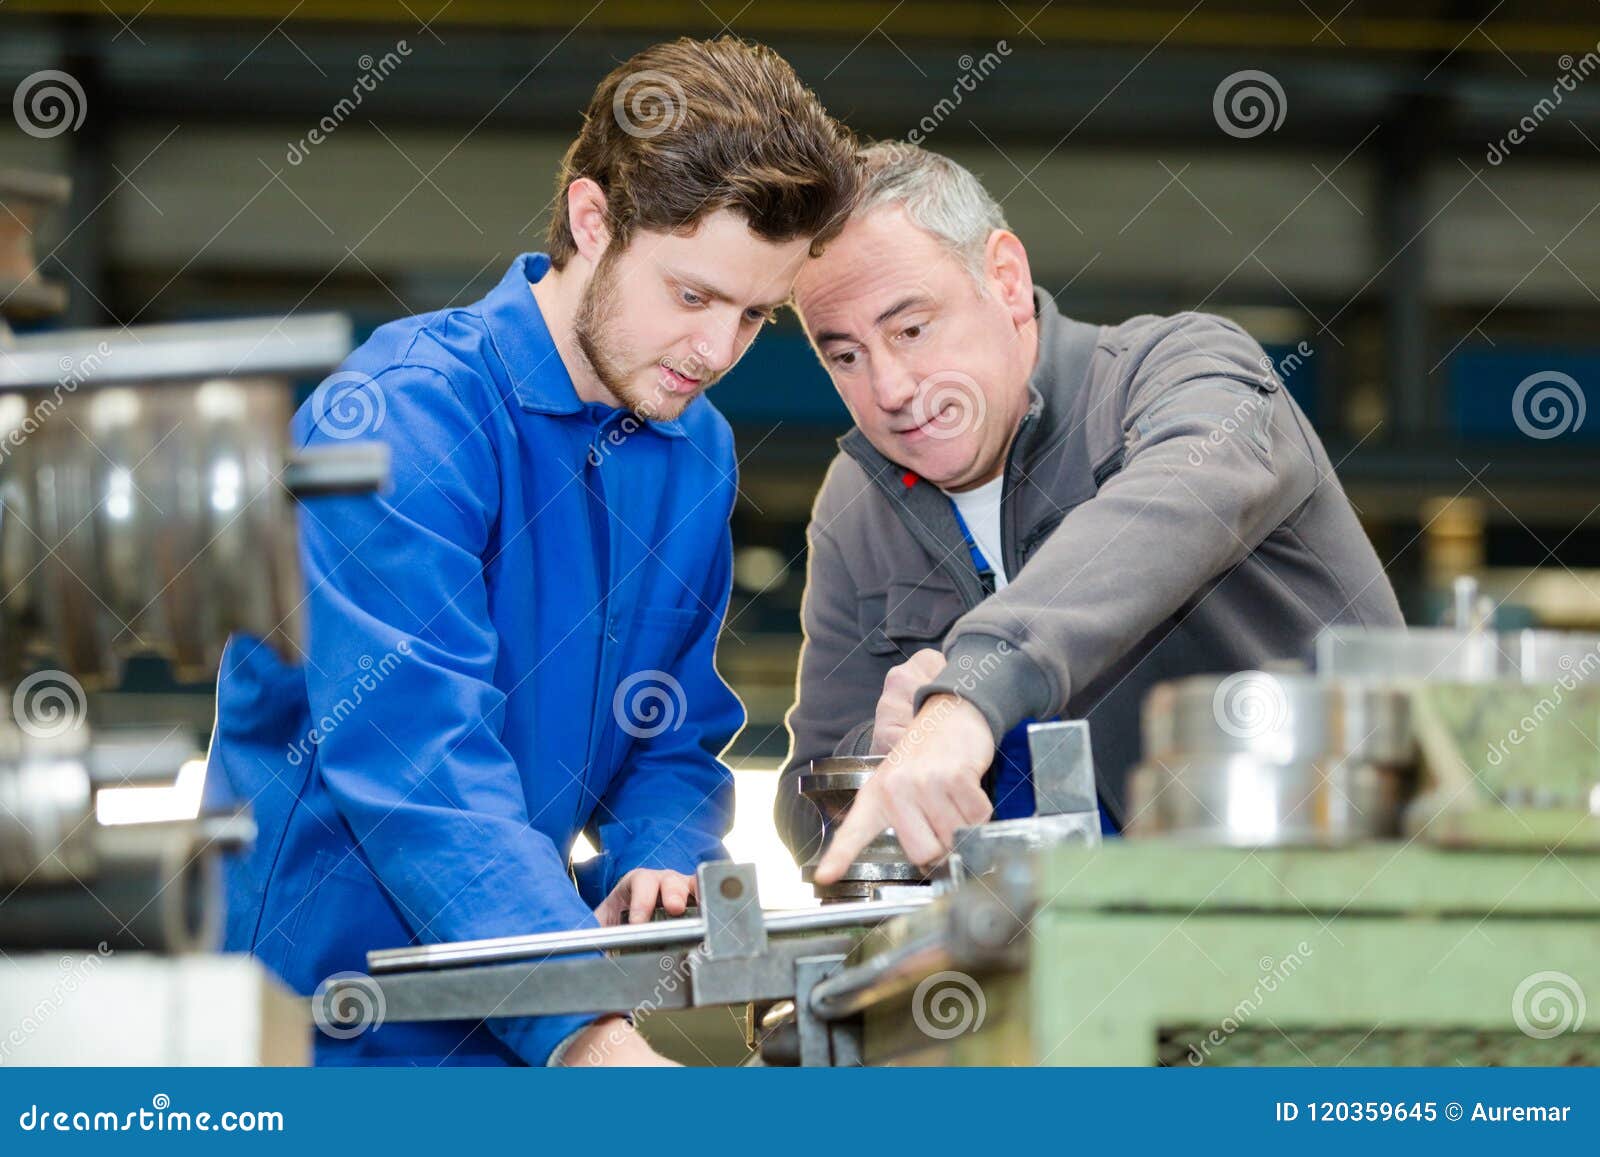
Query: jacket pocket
910	616
344	913
655	635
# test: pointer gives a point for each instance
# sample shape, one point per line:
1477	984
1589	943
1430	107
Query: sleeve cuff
996	677
558	1055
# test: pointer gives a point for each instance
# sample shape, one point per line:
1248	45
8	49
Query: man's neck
558	294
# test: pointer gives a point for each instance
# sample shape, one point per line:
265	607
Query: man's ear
586	217
1008	274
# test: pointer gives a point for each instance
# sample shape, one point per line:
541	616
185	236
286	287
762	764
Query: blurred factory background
1399	199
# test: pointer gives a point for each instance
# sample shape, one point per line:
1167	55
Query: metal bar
550	988
661	934
235	349
852	989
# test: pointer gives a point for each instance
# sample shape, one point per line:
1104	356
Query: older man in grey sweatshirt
1033	517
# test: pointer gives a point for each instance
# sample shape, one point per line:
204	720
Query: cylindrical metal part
659	934
46	801
831	785
1257	759
156	888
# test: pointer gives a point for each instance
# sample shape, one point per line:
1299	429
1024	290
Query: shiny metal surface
1066	804
831	785
1284	718
142	508
46	806
659	934
1242	801
155	887
1448	654
279	347
1260	760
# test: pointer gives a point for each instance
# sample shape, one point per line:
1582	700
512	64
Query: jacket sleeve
1214	463
671	802
432	797
838	685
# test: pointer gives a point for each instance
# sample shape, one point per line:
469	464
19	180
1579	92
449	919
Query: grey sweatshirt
1167	510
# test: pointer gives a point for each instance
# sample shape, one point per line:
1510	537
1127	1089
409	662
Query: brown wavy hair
689	127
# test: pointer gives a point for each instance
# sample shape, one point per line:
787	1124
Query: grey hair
938	195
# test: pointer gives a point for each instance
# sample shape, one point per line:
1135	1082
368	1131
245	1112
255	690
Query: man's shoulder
1149	329
450	347
1180	347
847	496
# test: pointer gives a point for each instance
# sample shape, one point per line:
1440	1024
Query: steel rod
660	934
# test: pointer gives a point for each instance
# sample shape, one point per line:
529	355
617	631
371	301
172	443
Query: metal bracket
1066	804
731	903
815	1047
1063	768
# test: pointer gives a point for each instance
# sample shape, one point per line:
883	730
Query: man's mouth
920	429
675	382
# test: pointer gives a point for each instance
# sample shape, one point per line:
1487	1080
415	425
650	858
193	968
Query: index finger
643	900
864	821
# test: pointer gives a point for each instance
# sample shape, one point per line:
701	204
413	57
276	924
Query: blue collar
538	376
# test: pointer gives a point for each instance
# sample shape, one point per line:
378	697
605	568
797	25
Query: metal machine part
1066	804
141	504
144	484
1468	651
733	953
1066	810
675	933
46	805
25	198
1258	760
155	887
832	784
1152	952
1507	725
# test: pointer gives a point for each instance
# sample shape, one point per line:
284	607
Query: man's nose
894	386
715	352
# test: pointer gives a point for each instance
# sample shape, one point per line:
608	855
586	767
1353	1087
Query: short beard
593	329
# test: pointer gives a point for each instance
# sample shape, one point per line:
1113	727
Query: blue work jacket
512	643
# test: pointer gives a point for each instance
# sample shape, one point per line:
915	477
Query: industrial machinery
146	510
1336	866
789	968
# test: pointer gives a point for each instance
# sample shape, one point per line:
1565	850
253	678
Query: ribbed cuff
994	676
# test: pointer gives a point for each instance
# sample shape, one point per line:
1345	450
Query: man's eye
759	316
911	331
692	298
848	358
